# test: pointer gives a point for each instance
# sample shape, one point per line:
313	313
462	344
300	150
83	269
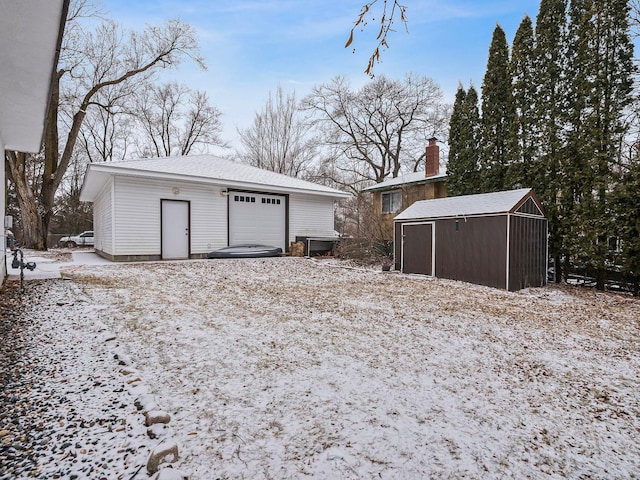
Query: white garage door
257	218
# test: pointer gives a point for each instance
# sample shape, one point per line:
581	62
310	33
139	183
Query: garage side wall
103	220
137	216
475	252
3	267
528	252
310	215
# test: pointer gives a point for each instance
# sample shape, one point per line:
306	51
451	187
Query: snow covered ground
292	368
296	368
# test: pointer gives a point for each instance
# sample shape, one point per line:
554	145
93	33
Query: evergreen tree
455	167
549	53
462	168
524	170
571	205
474	139
498	116
600	91
627	222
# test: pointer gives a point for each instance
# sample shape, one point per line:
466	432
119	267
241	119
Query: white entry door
175	229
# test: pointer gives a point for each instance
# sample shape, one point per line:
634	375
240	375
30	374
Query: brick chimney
432	163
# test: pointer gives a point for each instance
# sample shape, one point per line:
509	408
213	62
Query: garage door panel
257	218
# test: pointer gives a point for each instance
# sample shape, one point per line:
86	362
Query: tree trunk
601	278
558	267
34	230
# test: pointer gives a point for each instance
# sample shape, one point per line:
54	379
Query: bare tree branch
386	20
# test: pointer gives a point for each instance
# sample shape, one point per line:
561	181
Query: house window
392	201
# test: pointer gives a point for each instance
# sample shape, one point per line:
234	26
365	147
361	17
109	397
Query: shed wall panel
528	252
397	246
475	252
137	215
103	219
310	216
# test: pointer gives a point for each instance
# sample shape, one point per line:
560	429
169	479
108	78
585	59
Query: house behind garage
494	239
396	194
185	207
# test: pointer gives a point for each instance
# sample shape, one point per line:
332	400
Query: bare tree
386	19
634	17
174	120
280	139
106	133
381	129
90	62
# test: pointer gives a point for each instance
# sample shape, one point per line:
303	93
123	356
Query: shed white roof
466	205
410	178
204	169
30	34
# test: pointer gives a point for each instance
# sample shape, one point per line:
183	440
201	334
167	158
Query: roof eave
91	187
27	90
380	187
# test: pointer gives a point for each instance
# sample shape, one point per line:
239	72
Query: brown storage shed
495	239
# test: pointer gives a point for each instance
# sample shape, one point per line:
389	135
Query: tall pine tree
524	170
498	116
600	91
464	129
626	214
550	69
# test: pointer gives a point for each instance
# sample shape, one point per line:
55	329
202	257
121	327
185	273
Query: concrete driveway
49	264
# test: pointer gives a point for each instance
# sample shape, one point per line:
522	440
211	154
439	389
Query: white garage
186	207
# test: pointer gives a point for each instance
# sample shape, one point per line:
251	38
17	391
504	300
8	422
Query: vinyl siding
137	215
310	216
103	219
3	268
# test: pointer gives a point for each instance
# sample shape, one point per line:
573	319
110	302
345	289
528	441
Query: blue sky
252	46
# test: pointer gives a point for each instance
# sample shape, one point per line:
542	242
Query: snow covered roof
201	168
467	205
410	178
30	36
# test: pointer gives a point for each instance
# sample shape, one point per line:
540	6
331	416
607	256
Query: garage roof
203	169
467	205
30	36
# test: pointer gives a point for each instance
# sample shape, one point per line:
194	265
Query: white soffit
29	34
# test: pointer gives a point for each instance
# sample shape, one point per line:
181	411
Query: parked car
81	240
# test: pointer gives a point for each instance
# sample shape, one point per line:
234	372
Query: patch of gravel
66	410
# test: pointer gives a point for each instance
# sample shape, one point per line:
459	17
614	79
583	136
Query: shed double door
418	252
